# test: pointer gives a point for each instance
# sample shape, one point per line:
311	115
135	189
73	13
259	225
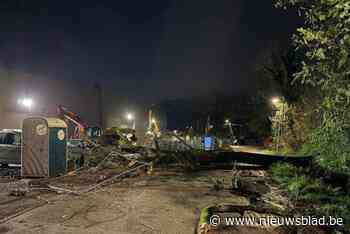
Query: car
10	147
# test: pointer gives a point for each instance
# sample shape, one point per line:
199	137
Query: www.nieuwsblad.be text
216	220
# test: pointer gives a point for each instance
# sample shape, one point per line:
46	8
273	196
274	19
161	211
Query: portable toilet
208	143
44	147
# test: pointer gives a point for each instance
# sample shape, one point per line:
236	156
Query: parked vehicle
10	147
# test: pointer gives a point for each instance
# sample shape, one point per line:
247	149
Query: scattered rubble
106	165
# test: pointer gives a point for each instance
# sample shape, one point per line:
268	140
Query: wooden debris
63	190
112	179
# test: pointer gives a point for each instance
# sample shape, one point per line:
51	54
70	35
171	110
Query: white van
10	147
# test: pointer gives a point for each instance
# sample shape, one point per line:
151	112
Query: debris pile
103	166
91	166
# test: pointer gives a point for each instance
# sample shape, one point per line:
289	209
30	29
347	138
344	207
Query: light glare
129	116
275	100
26	102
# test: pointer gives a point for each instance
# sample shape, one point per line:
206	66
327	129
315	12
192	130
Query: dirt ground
166	202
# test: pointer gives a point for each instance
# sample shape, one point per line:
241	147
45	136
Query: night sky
141	52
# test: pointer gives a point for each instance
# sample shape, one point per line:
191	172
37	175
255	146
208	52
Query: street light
131	117
233	138
279	103
26	102
275	100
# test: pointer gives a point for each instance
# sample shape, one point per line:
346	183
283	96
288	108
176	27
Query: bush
296	185
282	172
319	199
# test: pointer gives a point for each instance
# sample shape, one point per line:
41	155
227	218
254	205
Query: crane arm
67	115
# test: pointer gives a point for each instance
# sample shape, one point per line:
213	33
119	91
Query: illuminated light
154	121
275	100
129	116
26	102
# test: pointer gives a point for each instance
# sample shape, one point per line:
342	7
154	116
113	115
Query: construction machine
81	129
110	136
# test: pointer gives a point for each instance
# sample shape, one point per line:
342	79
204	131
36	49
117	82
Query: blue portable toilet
208	143
44	147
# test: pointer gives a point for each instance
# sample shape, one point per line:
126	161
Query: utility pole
207	126
100	109
281	125
233	140
150	119
279	119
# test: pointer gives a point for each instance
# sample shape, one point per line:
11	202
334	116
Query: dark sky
141	51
